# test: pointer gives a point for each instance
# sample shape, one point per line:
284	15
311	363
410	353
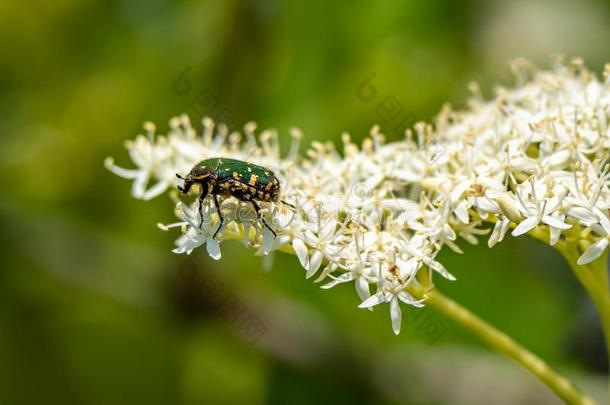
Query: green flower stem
498	340
503	343
593	277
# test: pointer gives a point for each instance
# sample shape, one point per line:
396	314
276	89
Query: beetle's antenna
180	177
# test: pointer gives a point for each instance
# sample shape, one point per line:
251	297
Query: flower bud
509	208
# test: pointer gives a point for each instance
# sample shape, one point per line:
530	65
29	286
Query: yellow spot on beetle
253	179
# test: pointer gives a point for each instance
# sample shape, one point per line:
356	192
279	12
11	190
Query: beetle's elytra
231	177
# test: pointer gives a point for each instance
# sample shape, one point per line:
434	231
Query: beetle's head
199	175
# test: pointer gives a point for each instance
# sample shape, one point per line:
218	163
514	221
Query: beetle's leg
222	218
202	196
258	214
288	204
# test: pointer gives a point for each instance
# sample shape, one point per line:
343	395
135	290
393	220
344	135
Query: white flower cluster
533	158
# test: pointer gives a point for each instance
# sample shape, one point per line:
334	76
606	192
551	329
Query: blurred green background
94	307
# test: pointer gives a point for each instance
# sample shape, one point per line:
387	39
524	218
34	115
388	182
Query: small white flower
499	230
193	235
539	211
321	237
393	300
152	159
598	248
360	270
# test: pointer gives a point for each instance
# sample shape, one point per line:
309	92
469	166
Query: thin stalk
505	344
593	277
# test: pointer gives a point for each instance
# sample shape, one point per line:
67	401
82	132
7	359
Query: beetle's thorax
200	173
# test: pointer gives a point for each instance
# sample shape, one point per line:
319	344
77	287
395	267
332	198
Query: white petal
495	234
309	238
328	229
554	236
268	239
401	204
407	267
186	243
373	300
213	248
362	288
593	252
461	211
155	190
559	159
368	240
505	225
327	270
281	241
410	300
396	315
343	278
458	191
119	171
525	226
555	223
138	187
449	232
486	204
370	184
301	250
454	247
469	237
314	263
603	220
583	214
440	269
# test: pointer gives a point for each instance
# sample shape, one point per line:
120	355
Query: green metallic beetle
231	177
